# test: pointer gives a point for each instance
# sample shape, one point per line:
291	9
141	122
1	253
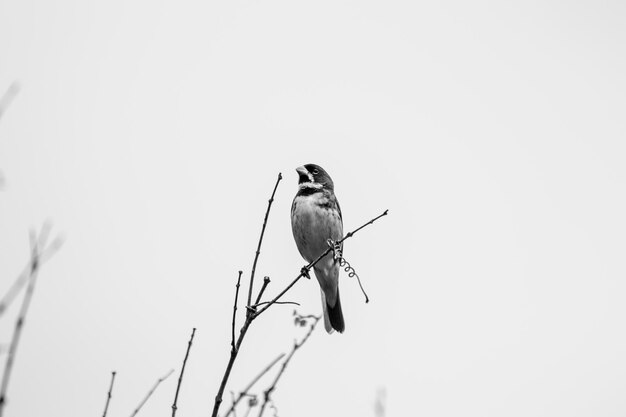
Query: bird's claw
336	247
305	272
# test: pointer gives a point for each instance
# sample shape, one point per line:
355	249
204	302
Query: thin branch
37	250
251	384
182	370
154	387
232	340
275	302
24	276
106	406
305	271
250	314
229	366
18	284
266	281
258	249
296	346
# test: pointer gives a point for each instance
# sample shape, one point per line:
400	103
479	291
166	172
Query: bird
316	218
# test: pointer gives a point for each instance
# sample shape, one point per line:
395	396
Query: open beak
303	175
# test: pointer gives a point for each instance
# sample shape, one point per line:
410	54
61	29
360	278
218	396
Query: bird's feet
337	249
305	272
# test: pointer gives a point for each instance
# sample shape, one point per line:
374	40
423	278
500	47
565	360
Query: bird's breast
314	220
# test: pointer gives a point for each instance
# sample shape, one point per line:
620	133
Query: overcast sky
151	133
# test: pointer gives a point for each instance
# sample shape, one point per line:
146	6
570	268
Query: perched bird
315	218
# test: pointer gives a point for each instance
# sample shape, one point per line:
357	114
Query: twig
266	281
258	249
106	406
231	361
296	346
275	302
249	315
154	387
10	295
182	370
251	384
232	340
24	276
36	260
308	268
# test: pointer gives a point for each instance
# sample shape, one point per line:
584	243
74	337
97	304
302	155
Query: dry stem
149	394
182	371
258	249
251	384
106	406
232	340
38	256
296	346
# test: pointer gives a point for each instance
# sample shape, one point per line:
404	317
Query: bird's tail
333	316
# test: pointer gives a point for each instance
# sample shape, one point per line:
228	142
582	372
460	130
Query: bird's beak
302	171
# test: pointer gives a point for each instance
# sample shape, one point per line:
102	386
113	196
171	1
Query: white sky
151	134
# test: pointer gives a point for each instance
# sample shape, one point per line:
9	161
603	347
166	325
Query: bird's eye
315	172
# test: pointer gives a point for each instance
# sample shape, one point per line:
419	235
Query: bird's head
314	176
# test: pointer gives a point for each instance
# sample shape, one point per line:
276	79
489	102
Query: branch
250	314
182	370
106	406
258	249
266	282
305	271
296	346
275	302
24	276
231	361
37	257
232	340
251	384
10	295
154	387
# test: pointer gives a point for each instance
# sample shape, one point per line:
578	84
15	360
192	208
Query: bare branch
250	314
232	340
229	366
266	281
18	284
37	250
296	346
276	302
182	370
154	387
24	276
307	269
106	406
251	384
258	249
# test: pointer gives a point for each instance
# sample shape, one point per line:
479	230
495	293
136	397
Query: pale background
151	134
